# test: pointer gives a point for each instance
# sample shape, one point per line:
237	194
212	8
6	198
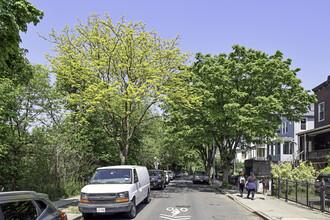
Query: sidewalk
61	204
271	207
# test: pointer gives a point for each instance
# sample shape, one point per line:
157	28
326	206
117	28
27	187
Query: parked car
171	174
184	173
28	205
326	178
167	177
200	176
115	189
178	174
157	179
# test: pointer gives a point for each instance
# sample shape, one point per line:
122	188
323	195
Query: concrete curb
64	202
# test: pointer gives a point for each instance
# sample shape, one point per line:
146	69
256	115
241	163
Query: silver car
200	176
28	205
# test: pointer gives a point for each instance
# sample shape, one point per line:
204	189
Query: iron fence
314	195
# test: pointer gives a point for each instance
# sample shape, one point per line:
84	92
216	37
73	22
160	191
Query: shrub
225	185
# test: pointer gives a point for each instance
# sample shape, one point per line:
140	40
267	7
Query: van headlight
122	197
84	198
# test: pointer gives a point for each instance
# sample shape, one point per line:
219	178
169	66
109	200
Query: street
182	199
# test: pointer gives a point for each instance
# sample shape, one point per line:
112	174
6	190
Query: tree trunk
225	174
122	158
208	168
55	174
15	169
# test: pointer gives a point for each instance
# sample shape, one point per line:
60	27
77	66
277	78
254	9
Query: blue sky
298	28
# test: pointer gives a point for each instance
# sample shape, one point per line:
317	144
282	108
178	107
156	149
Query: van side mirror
136	179
88	179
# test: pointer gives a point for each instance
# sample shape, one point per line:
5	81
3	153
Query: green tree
193	132
15	15
244	95
119	71
21	111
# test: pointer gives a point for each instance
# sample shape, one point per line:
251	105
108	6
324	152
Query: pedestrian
251	186
265	187
241	183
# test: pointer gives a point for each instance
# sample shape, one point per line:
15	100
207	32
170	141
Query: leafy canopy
246	92
117	70
15	15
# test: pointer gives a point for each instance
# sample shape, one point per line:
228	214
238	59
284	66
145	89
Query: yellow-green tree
119	71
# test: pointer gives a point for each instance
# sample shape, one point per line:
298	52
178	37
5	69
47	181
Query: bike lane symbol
175	214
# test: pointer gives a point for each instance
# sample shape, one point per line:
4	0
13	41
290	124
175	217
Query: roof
120	167
316	131
322	85
18	195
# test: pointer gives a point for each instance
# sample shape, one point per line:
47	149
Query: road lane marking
175	214
175	217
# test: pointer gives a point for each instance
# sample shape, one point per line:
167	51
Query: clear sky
298	28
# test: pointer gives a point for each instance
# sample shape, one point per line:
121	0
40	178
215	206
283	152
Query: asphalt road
182	199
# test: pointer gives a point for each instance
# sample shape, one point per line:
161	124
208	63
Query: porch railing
319	154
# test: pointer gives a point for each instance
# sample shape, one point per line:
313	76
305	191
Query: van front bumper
108	208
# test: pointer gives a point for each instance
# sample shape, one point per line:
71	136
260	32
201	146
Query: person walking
241	183
251	186
265	187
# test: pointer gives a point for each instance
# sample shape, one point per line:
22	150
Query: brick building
314	144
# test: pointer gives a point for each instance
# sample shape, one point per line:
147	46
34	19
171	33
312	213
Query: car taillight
64	216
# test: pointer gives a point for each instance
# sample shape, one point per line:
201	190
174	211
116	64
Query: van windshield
112	176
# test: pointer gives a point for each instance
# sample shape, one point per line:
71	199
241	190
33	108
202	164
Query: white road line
174	217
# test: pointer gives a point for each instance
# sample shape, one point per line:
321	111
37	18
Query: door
139	193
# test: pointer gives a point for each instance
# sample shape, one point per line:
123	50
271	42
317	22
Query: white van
115	189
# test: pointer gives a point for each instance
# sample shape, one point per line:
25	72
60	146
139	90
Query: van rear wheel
132	213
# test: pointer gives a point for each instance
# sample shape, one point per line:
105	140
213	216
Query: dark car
28	205
157	179
200	176
326	178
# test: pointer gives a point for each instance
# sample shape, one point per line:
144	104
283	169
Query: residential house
314	144
284	148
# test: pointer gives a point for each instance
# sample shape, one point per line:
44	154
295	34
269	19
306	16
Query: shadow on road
181	186
119	216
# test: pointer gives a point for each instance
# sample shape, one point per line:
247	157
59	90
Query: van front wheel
132	213
87	215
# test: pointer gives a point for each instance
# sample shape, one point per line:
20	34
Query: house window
285	127
260	152
277	148
288	148
303	124
243	155
321	111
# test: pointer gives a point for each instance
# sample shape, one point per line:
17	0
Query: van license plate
100	210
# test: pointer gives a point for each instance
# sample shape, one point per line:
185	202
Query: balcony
318	154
